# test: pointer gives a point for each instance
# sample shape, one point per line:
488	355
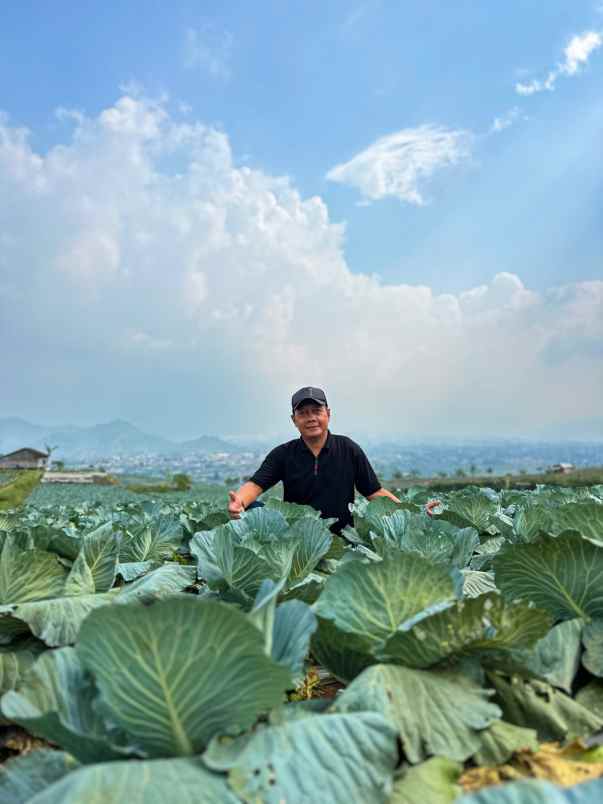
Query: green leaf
535	704
223	563
164	581
132	570
591	697
57	621
562	575
434	539
292	511
345	655
485	552
55	701
339	758
435	713
536	518
154	540
555	658
170	674
557	655
28	574
593	643
16	661
474	625
470	508
80	580
286	630
477	583
371	601
294	624
369	515
101	550
313	542
263	611
259	524
24	776
151	782
501	740
432	782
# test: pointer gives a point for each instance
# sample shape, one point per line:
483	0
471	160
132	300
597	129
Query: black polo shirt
327	482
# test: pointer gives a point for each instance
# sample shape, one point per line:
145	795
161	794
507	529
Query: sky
204	206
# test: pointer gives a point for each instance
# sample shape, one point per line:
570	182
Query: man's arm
383	493
242	499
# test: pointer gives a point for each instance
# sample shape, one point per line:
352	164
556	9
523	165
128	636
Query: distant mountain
100	441
16	433
81	443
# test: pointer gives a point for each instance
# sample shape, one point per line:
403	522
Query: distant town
119	448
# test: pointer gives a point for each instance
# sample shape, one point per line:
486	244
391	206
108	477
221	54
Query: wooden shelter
25	458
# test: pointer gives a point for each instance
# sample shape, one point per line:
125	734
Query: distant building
25	458
562	468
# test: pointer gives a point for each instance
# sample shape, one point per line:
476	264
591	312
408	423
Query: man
318	469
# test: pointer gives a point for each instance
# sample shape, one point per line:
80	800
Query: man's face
311	420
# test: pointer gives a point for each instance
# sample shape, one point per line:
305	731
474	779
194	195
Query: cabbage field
156	652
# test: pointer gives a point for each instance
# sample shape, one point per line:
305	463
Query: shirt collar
327	444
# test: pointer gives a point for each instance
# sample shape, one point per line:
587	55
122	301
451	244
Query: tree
473	469
460	473
489	470
182	481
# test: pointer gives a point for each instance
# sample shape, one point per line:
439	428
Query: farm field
152	651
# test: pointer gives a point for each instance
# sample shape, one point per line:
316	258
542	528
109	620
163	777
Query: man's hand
235	505
430	506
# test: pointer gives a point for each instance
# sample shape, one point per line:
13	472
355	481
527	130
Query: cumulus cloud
576	54
395	165
144	274
208	49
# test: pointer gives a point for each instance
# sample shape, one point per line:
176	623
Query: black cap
308	394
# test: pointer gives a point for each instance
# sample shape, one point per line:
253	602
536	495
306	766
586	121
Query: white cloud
397	164
505	121
209	49
576	54
208	295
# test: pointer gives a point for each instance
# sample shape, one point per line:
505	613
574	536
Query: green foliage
461	638
14	494
182	481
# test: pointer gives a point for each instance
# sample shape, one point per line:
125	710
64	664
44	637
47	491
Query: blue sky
385	111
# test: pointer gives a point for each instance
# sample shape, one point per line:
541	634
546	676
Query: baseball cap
308	394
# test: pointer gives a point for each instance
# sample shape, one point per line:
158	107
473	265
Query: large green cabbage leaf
337	758
25	775
472	626
436	713
56	701
563	575
186	781
372	601
170	675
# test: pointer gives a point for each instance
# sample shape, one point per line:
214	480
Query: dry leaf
564	766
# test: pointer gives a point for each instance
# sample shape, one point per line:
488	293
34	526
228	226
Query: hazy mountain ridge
103	440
